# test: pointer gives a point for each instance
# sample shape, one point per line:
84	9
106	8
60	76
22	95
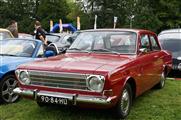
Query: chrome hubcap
7	90
163	79
125	101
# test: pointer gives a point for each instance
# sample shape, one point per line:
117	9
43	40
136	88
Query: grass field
162	104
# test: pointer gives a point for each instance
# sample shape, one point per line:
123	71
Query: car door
147	61
157	56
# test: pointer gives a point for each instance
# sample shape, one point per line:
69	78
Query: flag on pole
115	21
60	26
51	25
95	22
78	23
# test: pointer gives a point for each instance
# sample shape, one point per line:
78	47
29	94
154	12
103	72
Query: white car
171	40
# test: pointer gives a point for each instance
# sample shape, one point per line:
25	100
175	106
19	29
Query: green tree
19	10
76	11
154	15
25	12
169	13
52	10
145	16
106	10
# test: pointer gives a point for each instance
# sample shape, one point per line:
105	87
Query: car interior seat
52	48
28	49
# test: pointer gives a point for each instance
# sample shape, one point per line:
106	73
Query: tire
7	84
123	106
161	84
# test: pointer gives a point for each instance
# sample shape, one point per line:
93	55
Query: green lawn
162	104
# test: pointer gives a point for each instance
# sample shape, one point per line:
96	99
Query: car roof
170	34
25	34
57	34
36	40
171	31
117	30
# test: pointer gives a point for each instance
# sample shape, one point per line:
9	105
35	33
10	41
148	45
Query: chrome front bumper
74	98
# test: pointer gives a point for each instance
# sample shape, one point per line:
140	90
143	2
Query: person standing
40	32
13	28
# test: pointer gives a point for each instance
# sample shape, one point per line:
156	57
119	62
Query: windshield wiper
8	55
104	50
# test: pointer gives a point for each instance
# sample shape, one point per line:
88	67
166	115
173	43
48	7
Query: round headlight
24	77
95	83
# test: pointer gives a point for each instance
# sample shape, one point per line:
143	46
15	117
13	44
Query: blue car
14	52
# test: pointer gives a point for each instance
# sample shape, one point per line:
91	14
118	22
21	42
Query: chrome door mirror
143	50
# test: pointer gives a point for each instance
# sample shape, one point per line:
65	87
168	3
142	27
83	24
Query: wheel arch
8	73
132	83
166	69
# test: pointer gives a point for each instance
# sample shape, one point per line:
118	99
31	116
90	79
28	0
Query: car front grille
176	64
58	80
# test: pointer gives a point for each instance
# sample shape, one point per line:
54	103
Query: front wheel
123	106
7	85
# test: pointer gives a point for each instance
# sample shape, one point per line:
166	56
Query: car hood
80	62
9	63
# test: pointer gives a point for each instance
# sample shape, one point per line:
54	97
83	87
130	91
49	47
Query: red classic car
104	68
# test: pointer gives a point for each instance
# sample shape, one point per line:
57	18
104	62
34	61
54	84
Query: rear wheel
123	106
7	85
161	84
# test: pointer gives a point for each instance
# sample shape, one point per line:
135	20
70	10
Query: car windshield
18	48
111	42
4	35
173	45
52	38
65	39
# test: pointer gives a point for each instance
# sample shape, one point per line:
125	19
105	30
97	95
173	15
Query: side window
154	44
145	42
40	52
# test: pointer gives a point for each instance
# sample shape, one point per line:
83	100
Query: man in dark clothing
40	33
13	28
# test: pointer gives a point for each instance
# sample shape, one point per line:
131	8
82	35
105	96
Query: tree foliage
25	12
154	15
52	10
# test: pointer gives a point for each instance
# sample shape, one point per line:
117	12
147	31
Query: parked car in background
25	35
104	68
4	33
171	40
60	40
14	52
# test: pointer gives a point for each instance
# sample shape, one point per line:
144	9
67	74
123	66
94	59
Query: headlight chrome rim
26	80
100	80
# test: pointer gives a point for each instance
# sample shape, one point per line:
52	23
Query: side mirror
143	50
49	53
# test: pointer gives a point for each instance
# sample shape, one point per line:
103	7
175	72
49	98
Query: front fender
6	69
